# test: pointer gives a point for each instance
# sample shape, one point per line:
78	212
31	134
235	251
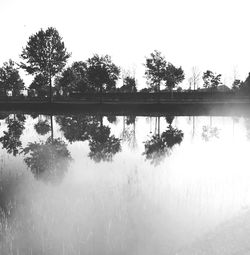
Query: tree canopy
159	71
74	79
10	80
102	73
211	80
45	54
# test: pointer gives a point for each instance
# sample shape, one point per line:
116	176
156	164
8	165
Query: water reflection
48	160
124	204
11	138
161	144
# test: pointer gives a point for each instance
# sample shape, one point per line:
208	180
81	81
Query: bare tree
195	78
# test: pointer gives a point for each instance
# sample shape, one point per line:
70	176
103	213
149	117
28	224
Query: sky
209	34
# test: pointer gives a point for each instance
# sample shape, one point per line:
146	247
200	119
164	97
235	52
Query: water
78	184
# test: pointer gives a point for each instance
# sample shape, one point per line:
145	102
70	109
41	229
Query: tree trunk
101	93
50	88
51	126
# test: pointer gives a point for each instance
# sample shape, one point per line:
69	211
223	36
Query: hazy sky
210	34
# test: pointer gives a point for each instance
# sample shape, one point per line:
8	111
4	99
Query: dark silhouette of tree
173	76
11	138
42	127
155	70
48	160
45	54
10	80
170	119
158	70
129	84
211	80
112	119
76	127
245	87
102	73
74	80
40	86
237	85
160	145
103	146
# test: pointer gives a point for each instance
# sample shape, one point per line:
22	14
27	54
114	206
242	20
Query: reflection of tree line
161	144
50	159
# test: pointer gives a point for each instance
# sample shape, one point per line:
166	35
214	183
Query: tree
246	85
102	73
11	138
155	70
40	86
45	54
173	76
159	145
102	144
195	78
237	85
211	80
10	80
48	160
42	127
158	70
129	84
74	80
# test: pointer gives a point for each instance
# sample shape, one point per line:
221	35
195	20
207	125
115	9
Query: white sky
210	34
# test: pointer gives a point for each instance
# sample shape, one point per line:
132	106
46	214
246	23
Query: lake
94	184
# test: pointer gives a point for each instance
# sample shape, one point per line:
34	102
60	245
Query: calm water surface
77	184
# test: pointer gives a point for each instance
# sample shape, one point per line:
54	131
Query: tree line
45	57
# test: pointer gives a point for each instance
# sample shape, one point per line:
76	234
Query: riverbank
177	107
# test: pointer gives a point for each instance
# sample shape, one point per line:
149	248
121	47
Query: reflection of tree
159	145
103	145
11	138
112	119
42	127
128	132
76	127
247	124
48	160
209	132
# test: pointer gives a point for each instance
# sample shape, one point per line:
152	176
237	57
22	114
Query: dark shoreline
170	107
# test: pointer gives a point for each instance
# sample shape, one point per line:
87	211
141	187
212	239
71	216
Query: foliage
45	54
77	127
245	86
40	86
73	80
129	84
158	146
211	80
173	76
237	85
102	73
47	160
155	70
42	127
158	70
103	145
11	138
10	80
